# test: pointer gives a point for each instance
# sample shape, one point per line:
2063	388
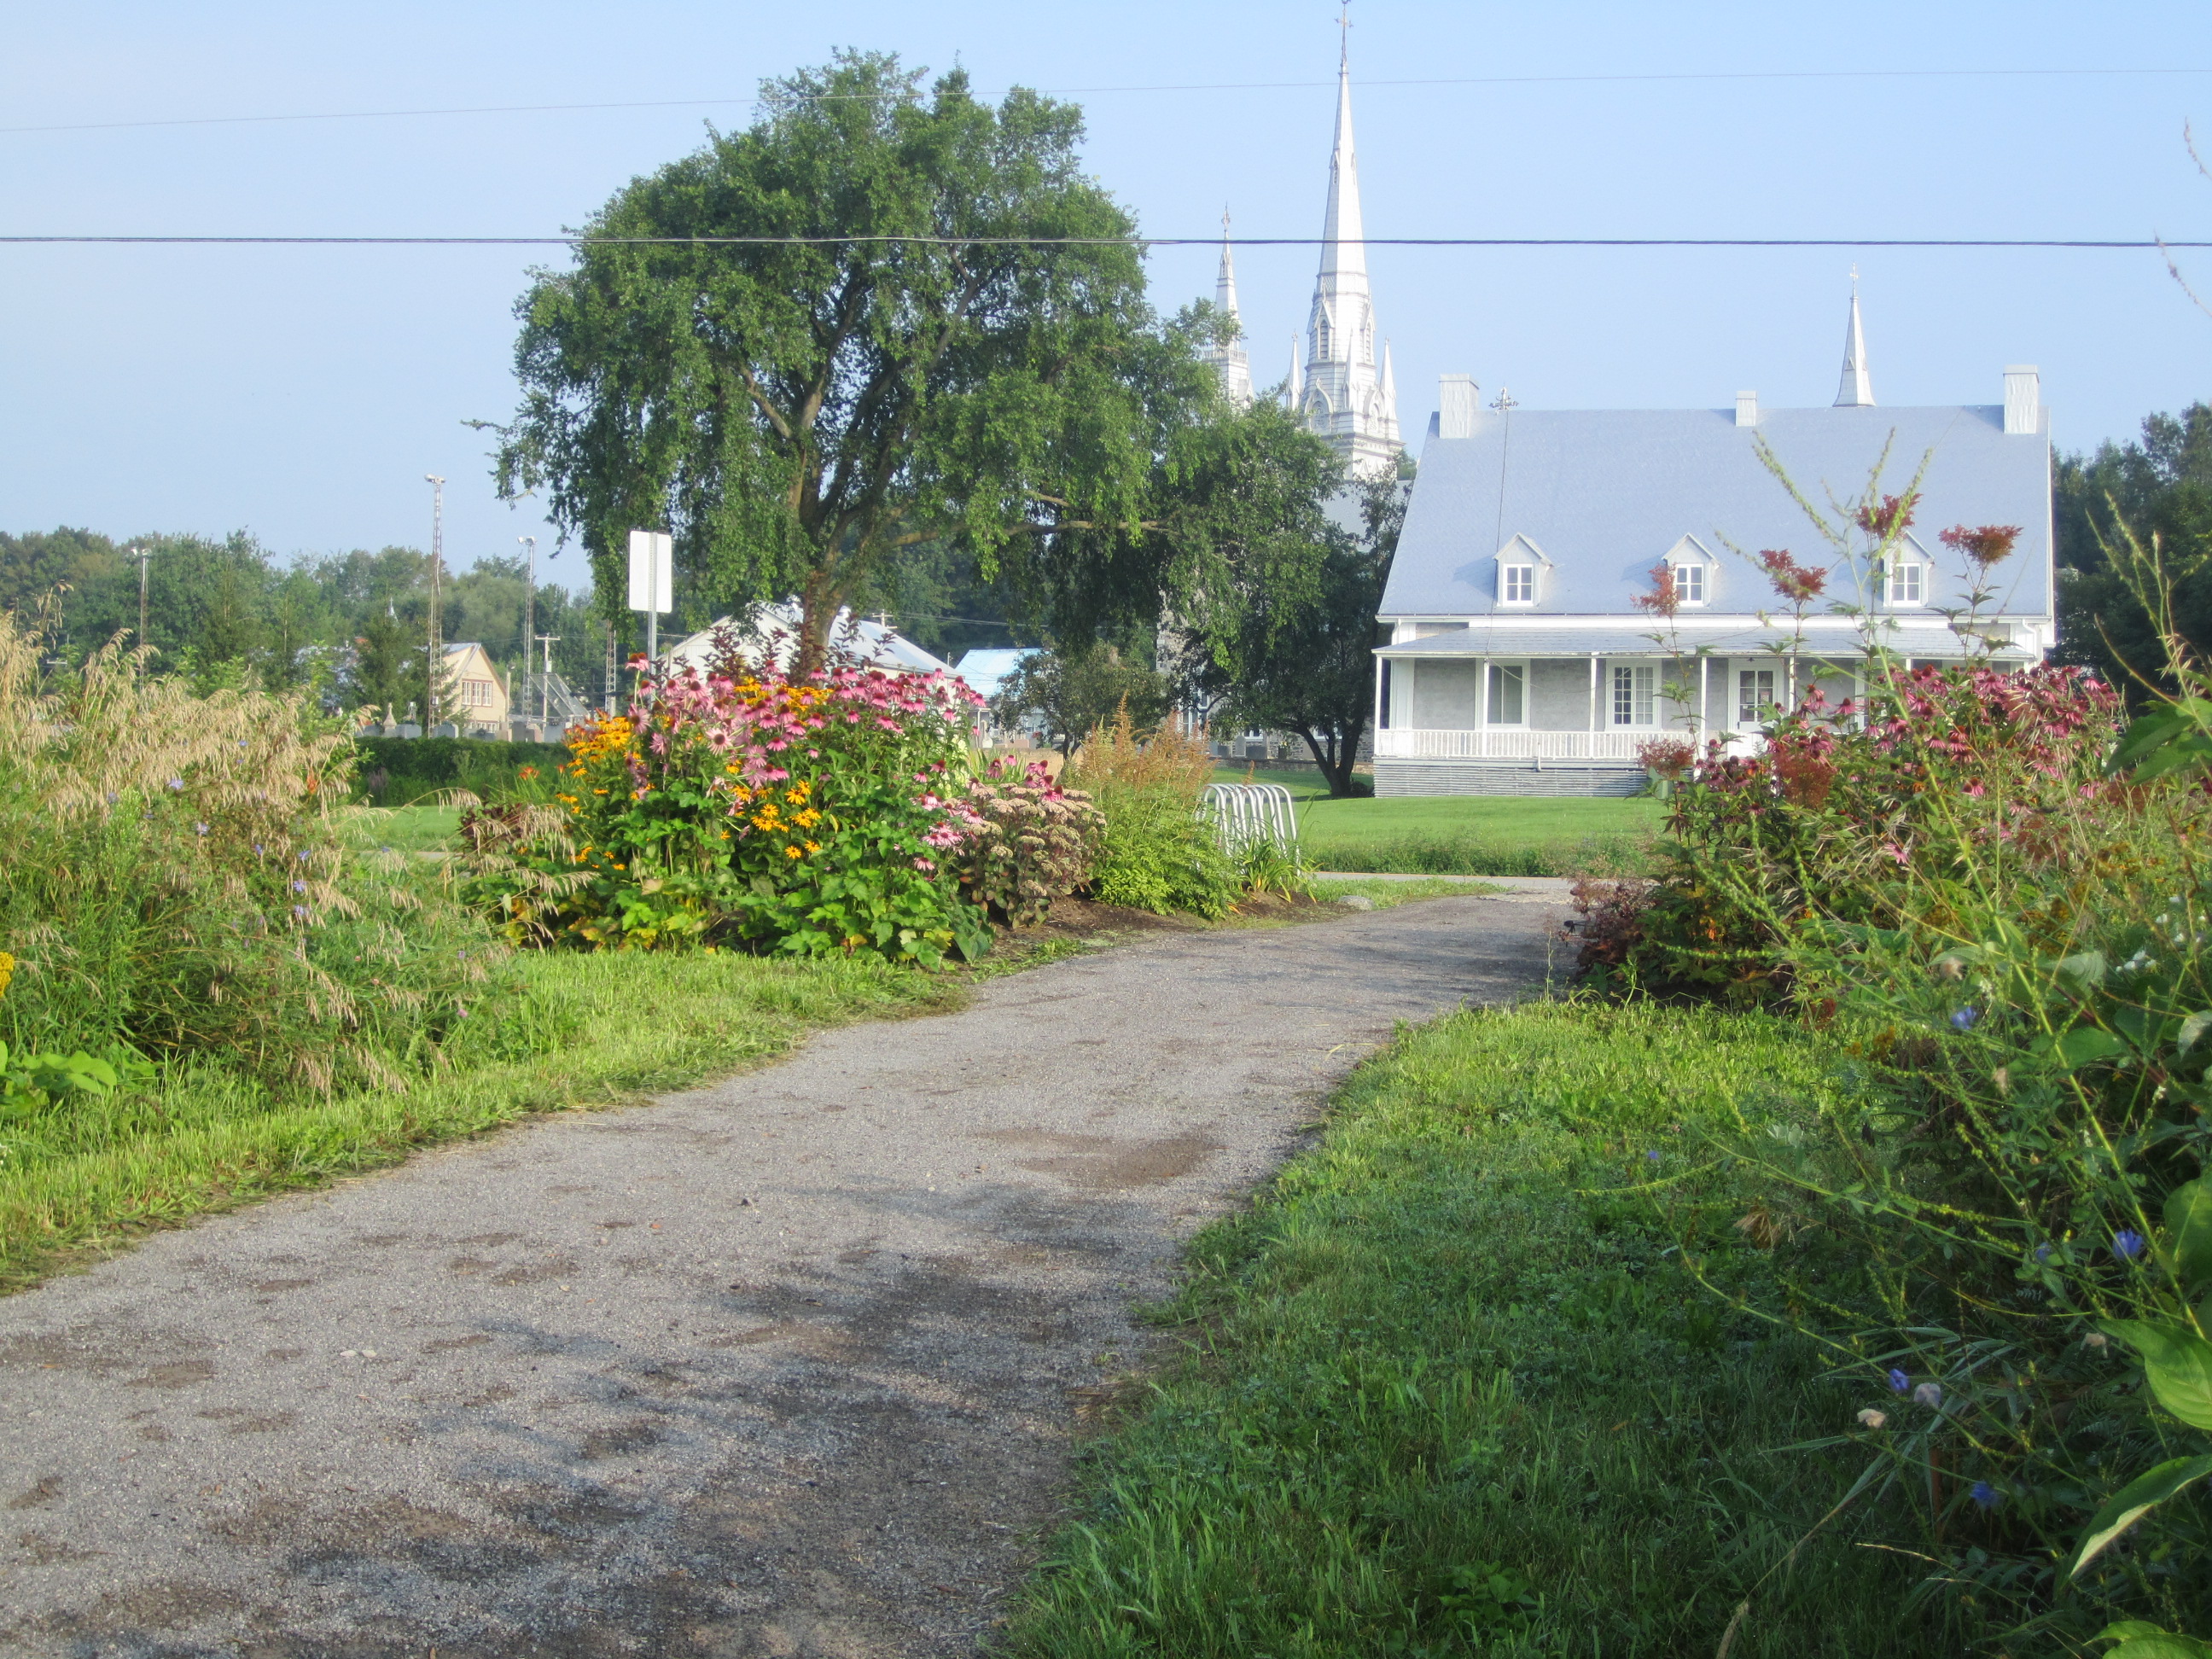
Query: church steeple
1345	398
1856	390
1232	362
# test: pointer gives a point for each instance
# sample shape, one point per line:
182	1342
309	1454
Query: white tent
771	634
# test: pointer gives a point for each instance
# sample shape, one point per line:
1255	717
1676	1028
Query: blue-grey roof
986	669
1603	494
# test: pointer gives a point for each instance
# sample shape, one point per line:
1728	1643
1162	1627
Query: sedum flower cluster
1040	840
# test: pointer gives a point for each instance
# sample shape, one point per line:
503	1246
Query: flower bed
730	807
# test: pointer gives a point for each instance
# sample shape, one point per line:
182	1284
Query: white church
1516	661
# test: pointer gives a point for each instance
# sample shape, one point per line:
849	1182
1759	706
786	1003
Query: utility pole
143	554
434	658
529	601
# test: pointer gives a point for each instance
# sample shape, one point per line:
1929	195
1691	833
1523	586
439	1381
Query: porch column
1704	678
1593	720
1482	706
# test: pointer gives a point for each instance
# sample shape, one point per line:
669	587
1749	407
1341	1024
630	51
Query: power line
2136	243
1087	92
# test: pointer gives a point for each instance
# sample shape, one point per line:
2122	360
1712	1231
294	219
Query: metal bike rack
1248	815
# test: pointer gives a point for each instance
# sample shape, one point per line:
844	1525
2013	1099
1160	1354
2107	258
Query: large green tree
2160	485
944	336
1273	565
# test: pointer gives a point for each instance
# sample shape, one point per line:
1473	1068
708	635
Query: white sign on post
652	571
651	582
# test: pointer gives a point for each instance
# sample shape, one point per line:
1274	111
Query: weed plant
1449	1387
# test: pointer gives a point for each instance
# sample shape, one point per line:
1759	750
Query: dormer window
1520	565
1691	565
1906	582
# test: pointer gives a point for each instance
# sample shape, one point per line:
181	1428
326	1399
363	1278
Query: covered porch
1499	711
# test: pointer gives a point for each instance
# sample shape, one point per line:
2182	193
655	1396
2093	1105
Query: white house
1518	661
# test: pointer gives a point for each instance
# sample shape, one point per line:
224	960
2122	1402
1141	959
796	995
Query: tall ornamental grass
184	881
1156	853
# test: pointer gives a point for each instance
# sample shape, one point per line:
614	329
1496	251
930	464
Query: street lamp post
434	658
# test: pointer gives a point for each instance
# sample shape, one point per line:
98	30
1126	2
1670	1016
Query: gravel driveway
785	1365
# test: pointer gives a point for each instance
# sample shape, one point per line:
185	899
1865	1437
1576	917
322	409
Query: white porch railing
1508	743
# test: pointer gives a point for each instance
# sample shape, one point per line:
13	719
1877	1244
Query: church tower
1856	389
1347	394
1232	362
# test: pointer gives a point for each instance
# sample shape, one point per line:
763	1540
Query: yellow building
473	696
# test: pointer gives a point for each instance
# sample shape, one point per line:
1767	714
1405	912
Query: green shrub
1157	854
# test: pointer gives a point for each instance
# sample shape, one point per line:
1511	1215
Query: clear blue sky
302	394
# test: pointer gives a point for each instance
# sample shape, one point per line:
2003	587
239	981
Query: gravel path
787	1365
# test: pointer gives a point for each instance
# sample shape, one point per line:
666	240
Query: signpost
651	582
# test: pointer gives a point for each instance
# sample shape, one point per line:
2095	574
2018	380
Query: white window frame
1704	587
1520	574
1902	566
1748	715
1636	688
1501	666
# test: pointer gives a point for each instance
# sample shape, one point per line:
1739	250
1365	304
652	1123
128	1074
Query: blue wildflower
2127	1244
200	829
1984	1494
1653	1155
299	886
2043	1253
1898	1381
257	846
300	912
1965	1018
303	855
176	783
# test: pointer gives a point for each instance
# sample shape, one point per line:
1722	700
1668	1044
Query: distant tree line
353	625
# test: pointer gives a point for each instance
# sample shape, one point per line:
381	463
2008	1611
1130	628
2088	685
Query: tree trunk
1334	759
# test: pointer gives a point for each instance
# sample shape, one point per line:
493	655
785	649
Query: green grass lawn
1447	1388
1468	834
564	1030
409	829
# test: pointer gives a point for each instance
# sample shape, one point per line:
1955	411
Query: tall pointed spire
1344	399
1232	362
1856	390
